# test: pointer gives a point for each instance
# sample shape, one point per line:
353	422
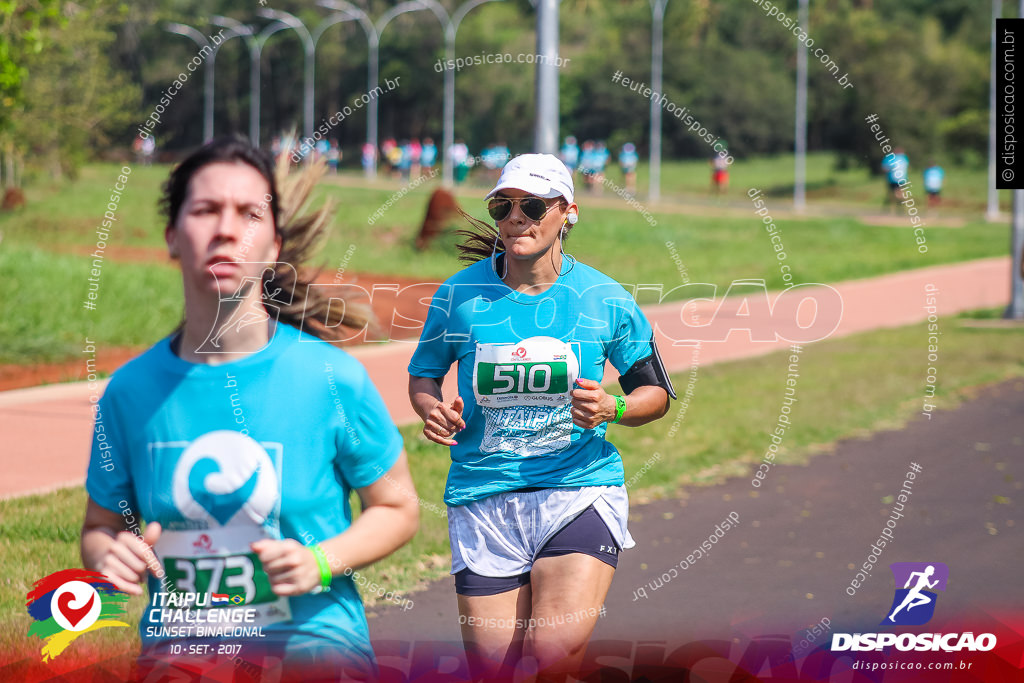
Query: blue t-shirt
266	446
495	157
518	357
405	160
628	161
895	166
570	155
428	156
933	176
588	161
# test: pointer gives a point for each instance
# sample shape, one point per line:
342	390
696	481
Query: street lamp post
200	39
256	71
657	35
373	32
1016	308
309	51
451	27
545	137
236	29
800	134
309	42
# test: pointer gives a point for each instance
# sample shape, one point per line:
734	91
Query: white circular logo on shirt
225	476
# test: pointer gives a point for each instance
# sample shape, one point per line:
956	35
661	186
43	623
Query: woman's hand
591	404
443	422
291	567
127	557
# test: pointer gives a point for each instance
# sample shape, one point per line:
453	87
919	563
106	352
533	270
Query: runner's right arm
440	421
109	547
112	541
432	360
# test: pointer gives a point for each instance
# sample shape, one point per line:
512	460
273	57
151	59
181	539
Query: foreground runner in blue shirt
537	503
238	440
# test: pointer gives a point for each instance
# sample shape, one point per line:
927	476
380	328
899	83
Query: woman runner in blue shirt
536	496
238	439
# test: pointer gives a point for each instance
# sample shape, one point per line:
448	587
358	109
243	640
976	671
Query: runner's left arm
592	405
371	460
389	520
643	377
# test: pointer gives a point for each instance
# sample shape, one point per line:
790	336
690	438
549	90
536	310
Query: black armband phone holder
649	371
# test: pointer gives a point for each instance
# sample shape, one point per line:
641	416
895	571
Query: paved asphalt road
788	563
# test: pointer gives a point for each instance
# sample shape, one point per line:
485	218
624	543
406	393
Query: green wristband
325	569
620	407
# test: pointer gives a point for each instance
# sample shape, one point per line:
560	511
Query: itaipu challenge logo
69	603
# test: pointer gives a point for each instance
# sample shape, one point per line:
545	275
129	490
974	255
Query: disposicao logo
71	602
913	604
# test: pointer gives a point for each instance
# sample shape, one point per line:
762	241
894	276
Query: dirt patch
399	304
121	252
22	376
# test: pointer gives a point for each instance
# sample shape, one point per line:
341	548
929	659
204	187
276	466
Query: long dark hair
479	240
301	235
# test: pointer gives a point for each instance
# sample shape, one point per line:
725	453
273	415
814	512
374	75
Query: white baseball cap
543	175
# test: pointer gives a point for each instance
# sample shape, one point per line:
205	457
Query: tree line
78	78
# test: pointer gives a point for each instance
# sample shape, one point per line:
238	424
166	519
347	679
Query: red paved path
47	429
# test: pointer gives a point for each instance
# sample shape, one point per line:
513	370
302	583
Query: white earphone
572	218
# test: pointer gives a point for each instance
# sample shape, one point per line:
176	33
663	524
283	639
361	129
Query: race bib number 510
536	371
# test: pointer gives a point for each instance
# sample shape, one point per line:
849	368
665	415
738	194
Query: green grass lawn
713	248
141	301
847	388
853	188
136	304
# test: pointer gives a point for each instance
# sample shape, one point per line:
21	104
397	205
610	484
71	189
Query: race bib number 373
234	575
218	562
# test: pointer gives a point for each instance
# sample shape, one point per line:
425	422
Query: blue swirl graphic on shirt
221	506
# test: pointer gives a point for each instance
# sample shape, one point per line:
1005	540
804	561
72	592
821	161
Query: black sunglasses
533	208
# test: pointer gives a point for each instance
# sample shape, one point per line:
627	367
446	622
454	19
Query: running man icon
915	598
917	585
240	316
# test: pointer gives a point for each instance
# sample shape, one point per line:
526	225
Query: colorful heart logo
72	614
75	605
69	603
